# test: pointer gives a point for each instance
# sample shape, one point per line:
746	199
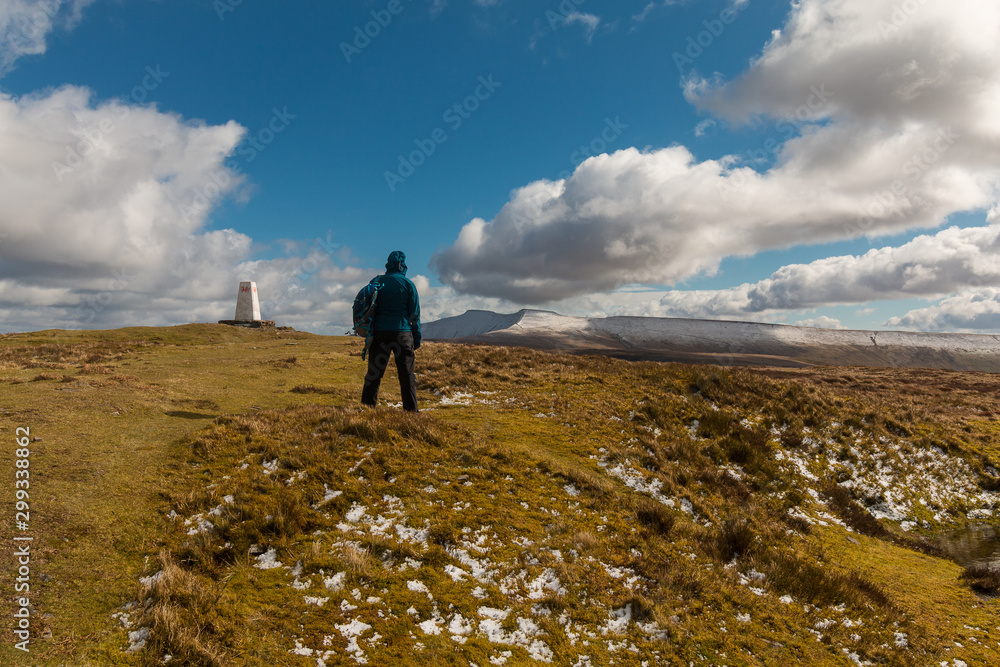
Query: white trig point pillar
248	308
247	303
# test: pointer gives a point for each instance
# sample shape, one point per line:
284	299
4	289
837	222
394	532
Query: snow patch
268	560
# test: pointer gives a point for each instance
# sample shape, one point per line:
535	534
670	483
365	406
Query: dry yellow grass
547	463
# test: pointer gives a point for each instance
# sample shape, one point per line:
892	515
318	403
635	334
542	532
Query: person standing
395	331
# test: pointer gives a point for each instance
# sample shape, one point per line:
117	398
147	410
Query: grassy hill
218	496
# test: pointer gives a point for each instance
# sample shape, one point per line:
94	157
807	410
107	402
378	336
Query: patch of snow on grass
137	640
149	581
301	650
479	568
636	481
268	560
328	495
415	535
460	398
524	636
336	582
538	650
355	513
618	620
890	478
546	582
319	602
430	627
200	525
351	632
417	586
493	613
459	627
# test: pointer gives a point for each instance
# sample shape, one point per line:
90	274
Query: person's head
396	262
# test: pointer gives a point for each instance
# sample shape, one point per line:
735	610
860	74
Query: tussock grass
61	355
580	474
726	468
582	470
983	579
308	389
853	514
735	538
358	561
653	516
820	585
190	617
583	541
42	377
97	369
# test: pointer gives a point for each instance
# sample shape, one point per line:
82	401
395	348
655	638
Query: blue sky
734	147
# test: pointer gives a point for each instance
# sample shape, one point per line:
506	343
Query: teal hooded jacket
398	306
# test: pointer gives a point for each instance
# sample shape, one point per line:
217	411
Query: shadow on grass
983	578
183	414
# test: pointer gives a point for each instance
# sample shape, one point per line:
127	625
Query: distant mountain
720	342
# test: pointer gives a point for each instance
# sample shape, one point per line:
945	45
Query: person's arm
414	309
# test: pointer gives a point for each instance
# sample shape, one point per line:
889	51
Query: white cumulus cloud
25	24
885	129
105	210
928	266
105	221
974	311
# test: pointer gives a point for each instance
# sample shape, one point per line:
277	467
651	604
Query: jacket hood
396	262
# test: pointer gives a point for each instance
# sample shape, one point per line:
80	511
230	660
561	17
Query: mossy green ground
542	507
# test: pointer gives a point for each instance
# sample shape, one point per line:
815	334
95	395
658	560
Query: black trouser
399	344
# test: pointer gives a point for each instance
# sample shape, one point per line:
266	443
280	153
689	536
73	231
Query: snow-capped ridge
721	341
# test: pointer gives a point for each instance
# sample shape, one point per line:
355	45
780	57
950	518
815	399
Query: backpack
364	312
